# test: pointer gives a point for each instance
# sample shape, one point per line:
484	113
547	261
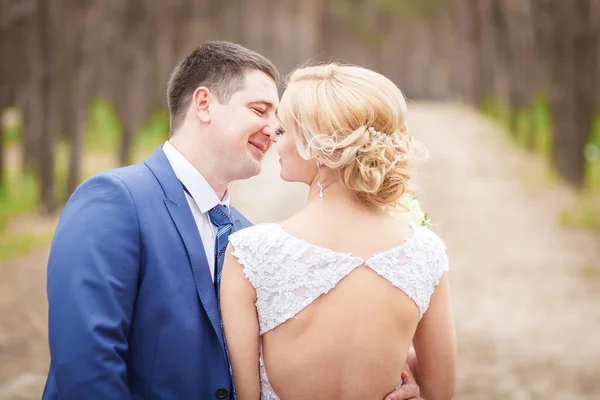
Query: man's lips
262	147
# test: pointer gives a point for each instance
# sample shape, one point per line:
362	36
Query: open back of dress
289	273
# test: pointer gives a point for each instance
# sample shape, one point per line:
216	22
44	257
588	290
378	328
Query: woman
326	304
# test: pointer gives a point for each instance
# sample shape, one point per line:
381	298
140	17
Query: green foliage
592	167
532	126
103	131
542	126
595	136
533	130
497	111
585	214
11	134
592	176
12	246
19	196
523	125
10	125
153	133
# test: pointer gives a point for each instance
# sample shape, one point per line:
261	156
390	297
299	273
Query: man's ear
200	103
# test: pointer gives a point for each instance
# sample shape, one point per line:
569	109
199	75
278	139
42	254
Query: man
132	274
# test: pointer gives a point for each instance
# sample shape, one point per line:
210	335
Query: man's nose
273	133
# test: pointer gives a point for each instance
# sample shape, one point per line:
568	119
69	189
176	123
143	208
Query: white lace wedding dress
289	273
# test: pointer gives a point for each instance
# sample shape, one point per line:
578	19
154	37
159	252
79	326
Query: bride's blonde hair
353	120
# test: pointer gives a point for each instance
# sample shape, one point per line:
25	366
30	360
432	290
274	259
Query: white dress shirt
202	199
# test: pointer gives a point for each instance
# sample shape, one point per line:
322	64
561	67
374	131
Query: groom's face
246	126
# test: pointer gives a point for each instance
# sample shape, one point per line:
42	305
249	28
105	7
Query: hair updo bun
353	120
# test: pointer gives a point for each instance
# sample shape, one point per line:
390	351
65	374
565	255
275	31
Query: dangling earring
319	182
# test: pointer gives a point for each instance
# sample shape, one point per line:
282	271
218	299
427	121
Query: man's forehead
260	88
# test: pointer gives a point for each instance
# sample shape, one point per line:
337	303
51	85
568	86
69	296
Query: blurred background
504	93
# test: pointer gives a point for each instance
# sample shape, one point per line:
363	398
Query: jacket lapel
183	219
186	225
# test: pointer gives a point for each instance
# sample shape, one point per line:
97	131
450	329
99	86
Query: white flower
409	210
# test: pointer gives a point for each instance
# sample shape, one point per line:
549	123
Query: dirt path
527	312
525	295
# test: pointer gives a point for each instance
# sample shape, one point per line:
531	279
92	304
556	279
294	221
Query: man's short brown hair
221	67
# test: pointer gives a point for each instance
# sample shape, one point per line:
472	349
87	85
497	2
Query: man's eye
258	111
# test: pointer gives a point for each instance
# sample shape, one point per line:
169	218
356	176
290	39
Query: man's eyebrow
264	102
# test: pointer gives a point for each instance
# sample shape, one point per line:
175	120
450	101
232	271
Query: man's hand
409	390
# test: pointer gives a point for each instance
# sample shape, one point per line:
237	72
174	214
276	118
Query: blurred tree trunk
486	60
5	93
284	35
573	64
109	39
163	51
256	25
503	50
134	77
48	20
38	143
310	29
33	98
86	20
519	49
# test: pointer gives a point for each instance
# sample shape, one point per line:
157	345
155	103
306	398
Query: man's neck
202	163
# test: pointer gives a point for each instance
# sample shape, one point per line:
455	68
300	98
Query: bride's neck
335	197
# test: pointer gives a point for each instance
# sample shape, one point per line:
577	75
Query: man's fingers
404	392
409	390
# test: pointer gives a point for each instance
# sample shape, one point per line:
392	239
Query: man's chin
251	171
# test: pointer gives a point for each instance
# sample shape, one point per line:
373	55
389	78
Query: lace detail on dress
266	390
415	267
287	273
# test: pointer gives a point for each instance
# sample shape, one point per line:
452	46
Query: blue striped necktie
219	216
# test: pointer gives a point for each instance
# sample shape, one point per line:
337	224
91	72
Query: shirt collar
203	194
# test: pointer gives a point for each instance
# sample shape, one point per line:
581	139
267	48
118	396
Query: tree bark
574	66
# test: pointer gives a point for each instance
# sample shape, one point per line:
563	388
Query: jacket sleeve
92	283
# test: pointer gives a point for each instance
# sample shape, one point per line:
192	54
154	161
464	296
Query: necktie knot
219	216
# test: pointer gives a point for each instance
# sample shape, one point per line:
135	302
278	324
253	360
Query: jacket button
222	393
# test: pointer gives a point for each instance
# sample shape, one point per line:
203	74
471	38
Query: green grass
523	128
15	245
592	175
11	134
592	172
542	126
153	133
103	130
496	111
533	130
19	196
584	214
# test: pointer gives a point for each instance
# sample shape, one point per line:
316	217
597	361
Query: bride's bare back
348	344
336	325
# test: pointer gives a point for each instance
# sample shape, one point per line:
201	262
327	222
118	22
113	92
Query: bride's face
294	168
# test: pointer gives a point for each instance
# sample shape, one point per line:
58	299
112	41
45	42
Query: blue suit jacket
132	306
